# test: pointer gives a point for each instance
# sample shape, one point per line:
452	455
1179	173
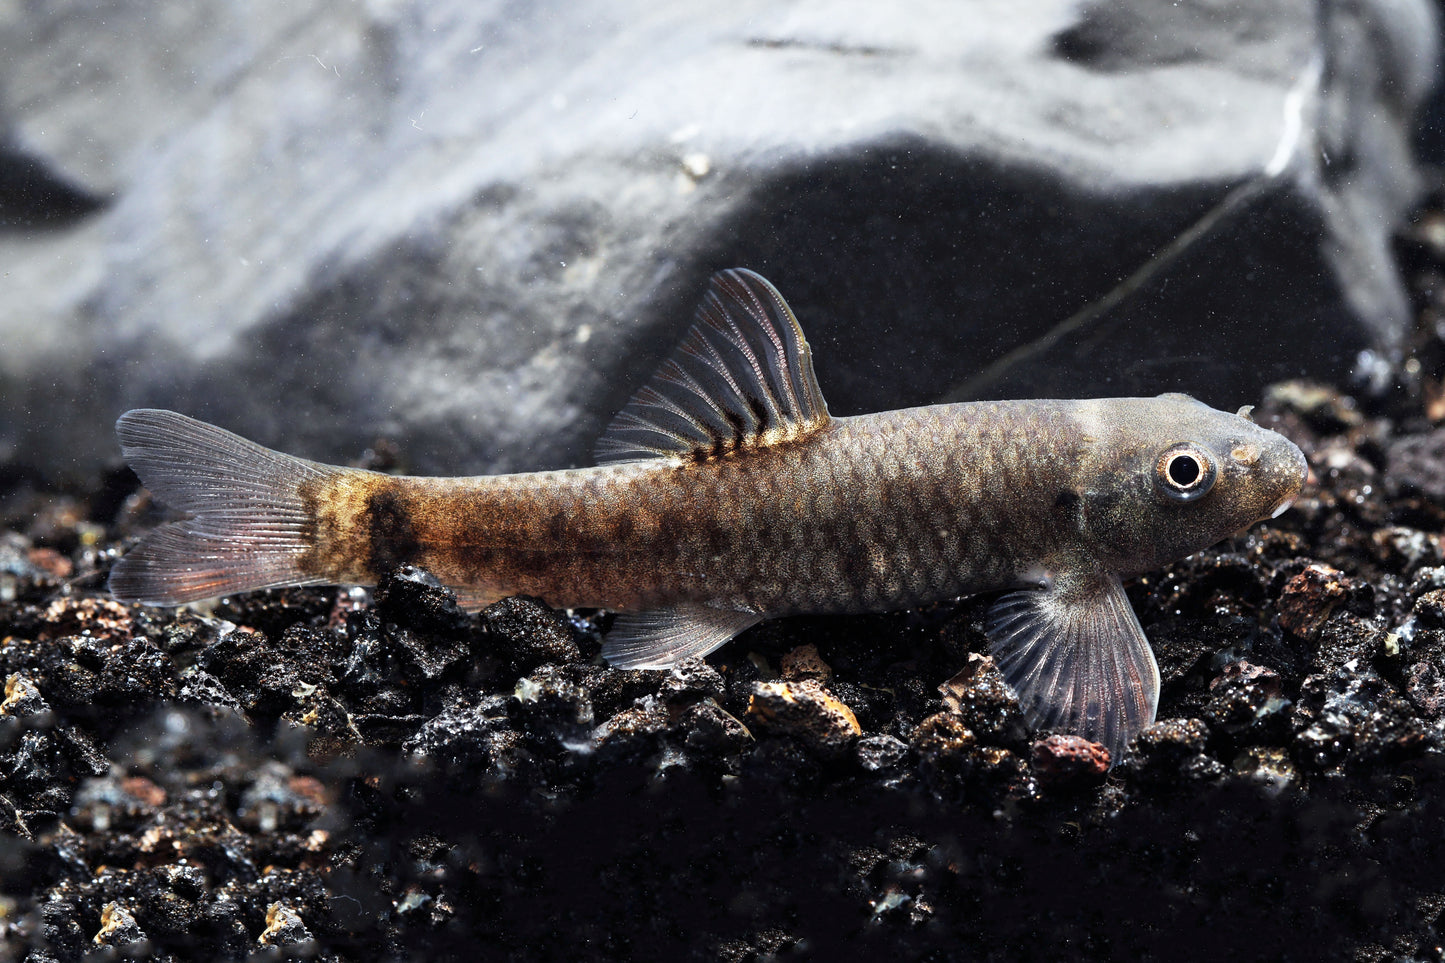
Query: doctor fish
726	494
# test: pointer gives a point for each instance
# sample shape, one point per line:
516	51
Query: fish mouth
1283	506
1297	483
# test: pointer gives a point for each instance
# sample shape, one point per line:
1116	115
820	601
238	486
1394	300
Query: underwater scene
806	480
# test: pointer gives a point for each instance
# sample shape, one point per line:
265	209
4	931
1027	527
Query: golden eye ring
1184	472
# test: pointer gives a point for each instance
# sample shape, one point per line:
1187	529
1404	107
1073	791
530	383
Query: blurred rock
1407	548
22	562
804	662
278	798
485	225
1325	410
107	802
102	618
1417	464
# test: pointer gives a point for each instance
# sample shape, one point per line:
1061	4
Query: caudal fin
248	529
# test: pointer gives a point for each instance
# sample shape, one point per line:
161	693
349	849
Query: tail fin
248	529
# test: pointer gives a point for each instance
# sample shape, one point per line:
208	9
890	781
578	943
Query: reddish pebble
143	791
1308	599
1070	761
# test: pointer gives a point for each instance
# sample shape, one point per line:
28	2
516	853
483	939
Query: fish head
1168	476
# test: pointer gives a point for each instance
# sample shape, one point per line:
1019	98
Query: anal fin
661	637
1076	656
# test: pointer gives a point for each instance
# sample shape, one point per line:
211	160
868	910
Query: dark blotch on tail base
394	540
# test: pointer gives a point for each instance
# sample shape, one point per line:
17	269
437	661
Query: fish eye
1184	472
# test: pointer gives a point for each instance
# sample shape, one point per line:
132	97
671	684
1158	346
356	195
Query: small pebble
806	711
1162	751
804	662
943	733
414	598
1069	762
118	927
284	927
530	632
985	703
1308	599
22	698
1268	767
877	753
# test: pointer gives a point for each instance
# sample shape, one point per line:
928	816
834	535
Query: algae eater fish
726	494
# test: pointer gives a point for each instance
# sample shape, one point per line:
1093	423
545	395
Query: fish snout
1291	472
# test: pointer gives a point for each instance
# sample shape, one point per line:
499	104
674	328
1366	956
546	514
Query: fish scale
727	494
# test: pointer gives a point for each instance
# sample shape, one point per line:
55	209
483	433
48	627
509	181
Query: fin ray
1078	659
248	527
474	598
656	639
742	378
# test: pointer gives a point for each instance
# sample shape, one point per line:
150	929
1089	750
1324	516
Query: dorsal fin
741	379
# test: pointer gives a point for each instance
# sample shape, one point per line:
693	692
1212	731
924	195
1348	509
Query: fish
725	493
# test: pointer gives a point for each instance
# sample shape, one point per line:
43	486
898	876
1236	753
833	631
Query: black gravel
342	775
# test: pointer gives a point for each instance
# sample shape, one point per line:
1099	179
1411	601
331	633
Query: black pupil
1183	471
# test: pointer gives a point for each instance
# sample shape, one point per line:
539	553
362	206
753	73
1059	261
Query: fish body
728	494
881	511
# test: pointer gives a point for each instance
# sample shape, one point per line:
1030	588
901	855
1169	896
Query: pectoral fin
1076	656
657	639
